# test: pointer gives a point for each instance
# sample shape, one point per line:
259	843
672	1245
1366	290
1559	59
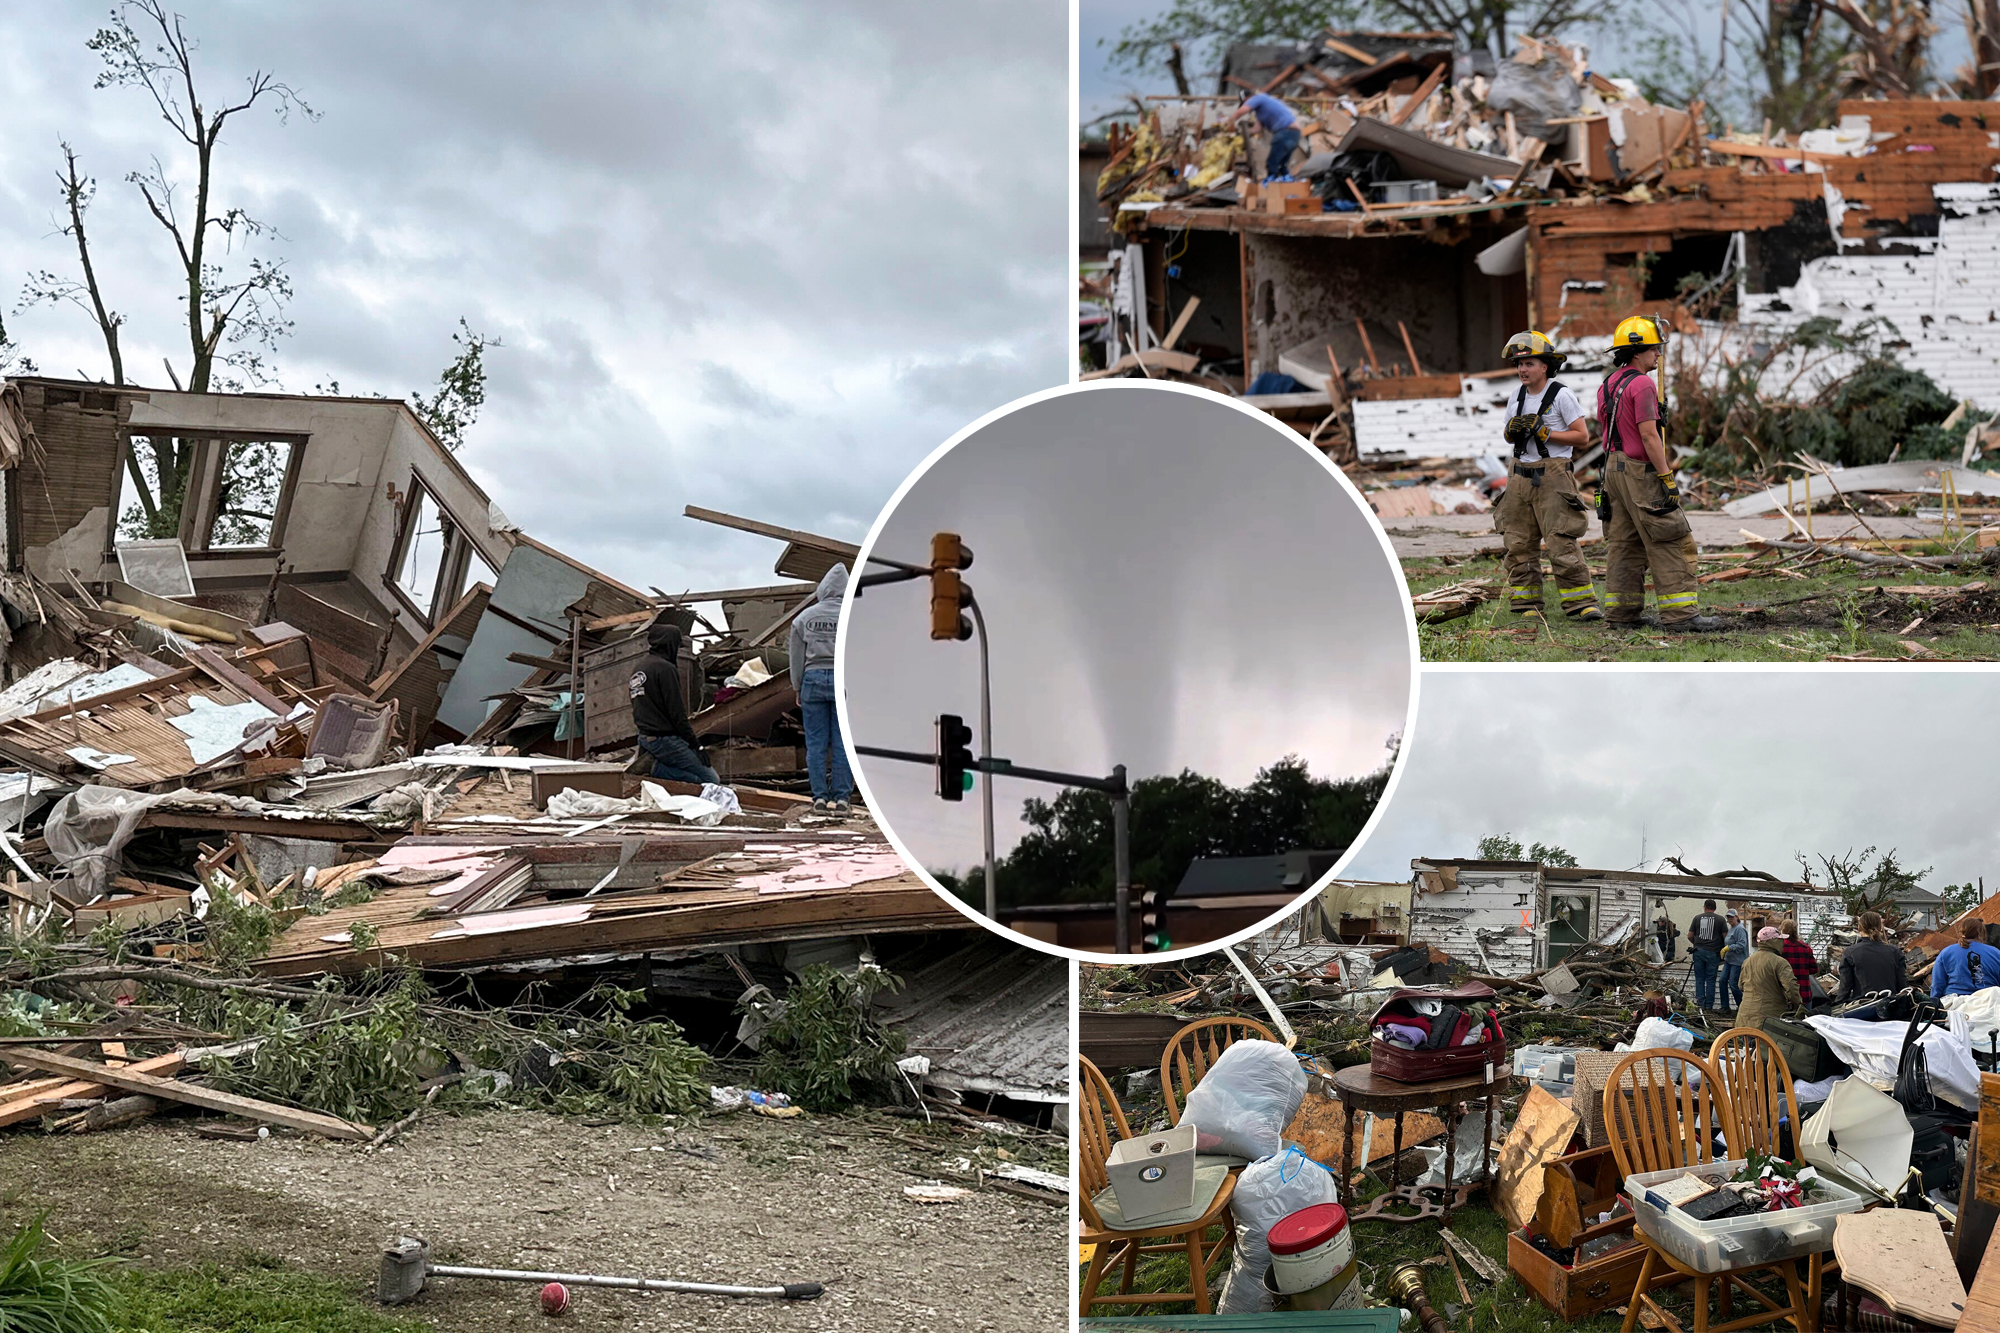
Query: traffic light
1153	922
949	597
954	757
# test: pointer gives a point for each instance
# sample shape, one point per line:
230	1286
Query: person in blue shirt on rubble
1278	121
1969	965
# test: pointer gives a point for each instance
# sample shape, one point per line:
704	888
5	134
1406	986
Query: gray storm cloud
760	257
1723	768
1169	582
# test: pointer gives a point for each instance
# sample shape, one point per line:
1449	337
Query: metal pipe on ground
406	1269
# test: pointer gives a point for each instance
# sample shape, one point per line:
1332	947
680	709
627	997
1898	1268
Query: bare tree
49	288
247	308
234	302
1483	25
1895	40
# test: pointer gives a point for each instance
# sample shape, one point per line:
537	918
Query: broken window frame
201	506
454	565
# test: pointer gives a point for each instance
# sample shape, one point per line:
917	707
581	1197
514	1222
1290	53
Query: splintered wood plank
13	1110
130	1079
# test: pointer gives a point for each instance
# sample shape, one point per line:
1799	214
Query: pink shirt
1640	401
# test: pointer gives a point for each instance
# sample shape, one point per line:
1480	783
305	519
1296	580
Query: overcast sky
761	257
1723	768
1170	582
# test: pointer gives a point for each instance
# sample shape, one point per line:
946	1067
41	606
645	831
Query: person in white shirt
1540	504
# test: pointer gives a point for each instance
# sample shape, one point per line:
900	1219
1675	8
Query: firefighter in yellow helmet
1645	527
1540	503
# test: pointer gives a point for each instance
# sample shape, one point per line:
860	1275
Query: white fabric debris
652	799
98	759
214	729
1873	1051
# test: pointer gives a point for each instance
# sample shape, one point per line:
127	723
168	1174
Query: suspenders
1548	401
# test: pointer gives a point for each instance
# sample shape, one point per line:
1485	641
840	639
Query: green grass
247	1298
1506	1307
1848	617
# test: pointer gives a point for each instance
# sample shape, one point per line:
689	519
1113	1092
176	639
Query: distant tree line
1066	856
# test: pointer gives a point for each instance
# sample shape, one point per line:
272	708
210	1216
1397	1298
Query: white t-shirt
1563	413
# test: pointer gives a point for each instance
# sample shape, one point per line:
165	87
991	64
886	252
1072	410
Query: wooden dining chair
1099	1115
1658	1119
1193	1051
1756	1085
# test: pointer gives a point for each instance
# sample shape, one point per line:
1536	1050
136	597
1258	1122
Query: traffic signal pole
986	753
1113	786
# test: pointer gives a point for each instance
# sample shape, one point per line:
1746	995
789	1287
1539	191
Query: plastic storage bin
1738	1242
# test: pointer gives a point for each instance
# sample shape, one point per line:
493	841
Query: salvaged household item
1114	1242
1664	1115
1441	1062
1899	1257
1152	1175
1361	1089
1241	1107
1755	1084
1862	1136
1310	1248
1193	1051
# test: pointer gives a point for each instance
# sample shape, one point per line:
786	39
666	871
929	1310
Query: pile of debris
287	849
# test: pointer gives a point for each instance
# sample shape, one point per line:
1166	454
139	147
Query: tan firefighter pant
1540	505
1637	540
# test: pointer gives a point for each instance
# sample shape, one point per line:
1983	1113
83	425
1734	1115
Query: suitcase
1407	1066
1806	1053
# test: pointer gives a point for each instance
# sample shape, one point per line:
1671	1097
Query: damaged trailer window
250	485
153	512
428	536
173	485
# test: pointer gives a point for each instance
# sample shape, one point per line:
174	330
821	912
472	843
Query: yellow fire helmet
1533	343
1639	331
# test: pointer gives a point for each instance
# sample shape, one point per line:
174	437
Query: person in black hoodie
1872	963
661	713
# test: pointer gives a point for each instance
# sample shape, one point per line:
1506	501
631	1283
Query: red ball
555	1299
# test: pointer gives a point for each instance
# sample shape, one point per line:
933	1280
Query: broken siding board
527	613
1493	910
670	920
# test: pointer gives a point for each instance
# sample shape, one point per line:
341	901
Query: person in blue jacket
1969	965
1280	122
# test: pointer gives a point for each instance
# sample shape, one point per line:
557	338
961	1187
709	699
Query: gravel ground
743	1200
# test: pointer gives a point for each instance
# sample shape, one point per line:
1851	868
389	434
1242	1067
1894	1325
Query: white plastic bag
1242	1105
1267	1192
1657	1033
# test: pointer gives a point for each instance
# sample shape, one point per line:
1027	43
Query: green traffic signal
966	779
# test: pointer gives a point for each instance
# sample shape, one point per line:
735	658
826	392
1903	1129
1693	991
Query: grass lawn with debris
217	1236
1832	611
1508	1307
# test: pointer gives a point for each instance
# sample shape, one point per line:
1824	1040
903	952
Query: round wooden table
1360	1088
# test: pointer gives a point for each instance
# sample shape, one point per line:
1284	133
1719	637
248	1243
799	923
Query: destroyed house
1401	300
1512	918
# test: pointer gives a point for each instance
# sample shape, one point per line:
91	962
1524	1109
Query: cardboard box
1153	1174
1277	196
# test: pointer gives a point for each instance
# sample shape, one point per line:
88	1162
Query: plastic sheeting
1536	94
88	829
1267	1192
1872	1050
1242	1105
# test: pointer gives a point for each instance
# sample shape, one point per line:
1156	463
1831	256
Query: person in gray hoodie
811	668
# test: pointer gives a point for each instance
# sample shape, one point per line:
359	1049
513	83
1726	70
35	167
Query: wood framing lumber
17	1105
130	1079
831	545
